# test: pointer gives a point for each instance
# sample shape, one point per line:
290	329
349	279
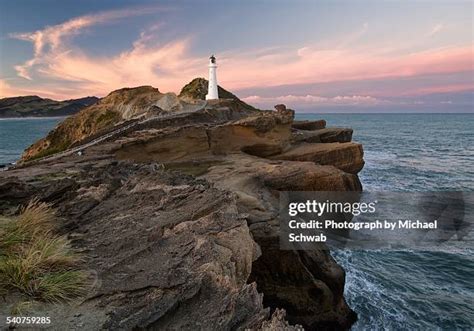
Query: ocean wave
435	284
379	155
412	290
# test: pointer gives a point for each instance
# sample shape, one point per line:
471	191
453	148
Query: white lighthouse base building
212	93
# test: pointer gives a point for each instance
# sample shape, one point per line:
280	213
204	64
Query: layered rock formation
34	106
123	105
177	217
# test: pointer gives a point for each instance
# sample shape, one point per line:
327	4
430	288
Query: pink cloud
315	100
54	37
311	65
436	29
54	92
441	89
56	62
6	89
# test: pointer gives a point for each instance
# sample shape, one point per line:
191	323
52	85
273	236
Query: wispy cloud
51	40
313	65
64	70
448	88
436	29
6	90
354	36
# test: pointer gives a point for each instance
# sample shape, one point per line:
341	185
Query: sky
313	56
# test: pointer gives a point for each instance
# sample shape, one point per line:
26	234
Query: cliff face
178	218
34	106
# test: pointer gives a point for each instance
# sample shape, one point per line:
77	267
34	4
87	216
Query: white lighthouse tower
212	93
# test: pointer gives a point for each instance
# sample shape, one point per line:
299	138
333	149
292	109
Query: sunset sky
311	55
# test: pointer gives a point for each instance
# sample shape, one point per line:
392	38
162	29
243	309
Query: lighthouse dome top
212	58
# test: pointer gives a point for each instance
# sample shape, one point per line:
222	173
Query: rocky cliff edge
177	216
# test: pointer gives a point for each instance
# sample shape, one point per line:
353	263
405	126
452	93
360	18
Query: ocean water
18	133
411	290
390	290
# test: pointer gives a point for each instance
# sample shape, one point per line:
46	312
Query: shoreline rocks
178	219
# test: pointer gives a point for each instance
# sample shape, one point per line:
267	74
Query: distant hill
34	106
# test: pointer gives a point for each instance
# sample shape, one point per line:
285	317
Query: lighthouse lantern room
212	93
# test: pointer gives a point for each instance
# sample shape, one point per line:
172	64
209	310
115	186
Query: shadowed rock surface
177	217
309	125
345	156
326	135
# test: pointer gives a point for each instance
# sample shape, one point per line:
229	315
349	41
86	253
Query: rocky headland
173	203
34	106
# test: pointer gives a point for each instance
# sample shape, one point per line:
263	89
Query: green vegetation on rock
34	261
109	117
197	89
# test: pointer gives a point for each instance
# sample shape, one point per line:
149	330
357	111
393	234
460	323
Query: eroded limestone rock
309	125
178	221
345	156
327	135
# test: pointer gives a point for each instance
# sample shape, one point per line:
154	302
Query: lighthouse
212	93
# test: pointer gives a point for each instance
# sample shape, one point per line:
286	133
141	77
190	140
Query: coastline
380	158
33	117
207	156
328	187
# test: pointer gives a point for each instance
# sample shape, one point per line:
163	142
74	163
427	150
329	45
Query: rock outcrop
326	135
345	156
309	125
118	106
124	105
177	217
197	90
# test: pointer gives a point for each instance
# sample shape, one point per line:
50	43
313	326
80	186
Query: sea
389	289
16	134
411	290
